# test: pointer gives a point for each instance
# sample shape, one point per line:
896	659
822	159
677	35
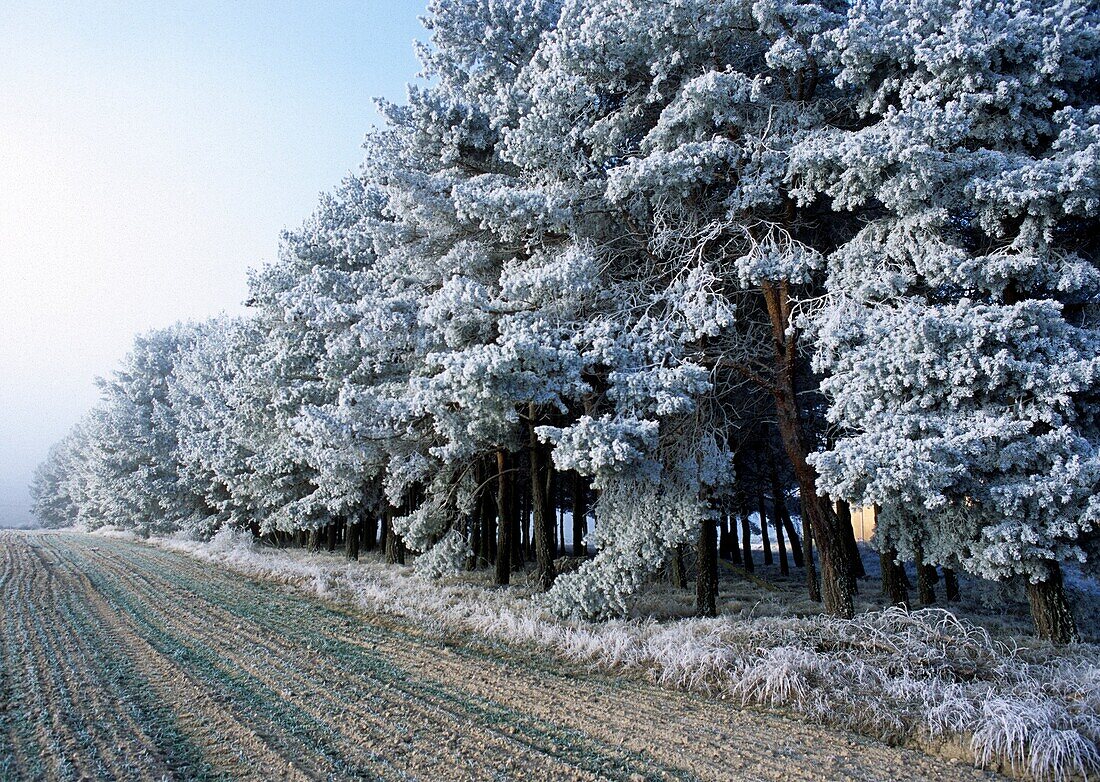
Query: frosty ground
122	660
125	660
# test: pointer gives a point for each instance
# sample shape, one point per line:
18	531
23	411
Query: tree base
1051	611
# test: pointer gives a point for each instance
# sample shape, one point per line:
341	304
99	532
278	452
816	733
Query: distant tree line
673	263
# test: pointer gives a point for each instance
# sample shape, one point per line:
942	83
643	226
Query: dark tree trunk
847	528
893	579
520	529
314	543
395	547
926	580
785	520
706	578
1050	608
768	560
559	508
724	538
580	515
489	524
926	584
370	532
812	585
781	543
502	572
523	510
746	541
836	582
951	585
351	542
540	505
729	521
475	528
679	571
331	536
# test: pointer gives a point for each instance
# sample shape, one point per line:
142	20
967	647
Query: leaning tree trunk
503	568
797	547
893	579
543	520
835	579
1050	609
706	577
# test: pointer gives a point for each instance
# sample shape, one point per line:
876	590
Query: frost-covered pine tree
961	338
667	126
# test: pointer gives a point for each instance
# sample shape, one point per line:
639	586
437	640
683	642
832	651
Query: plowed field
123	661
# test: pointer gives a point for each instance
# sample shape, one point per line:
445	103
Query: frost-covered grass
929	678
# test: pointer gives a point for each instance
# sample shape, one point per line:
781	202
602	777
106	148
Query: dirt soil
121	661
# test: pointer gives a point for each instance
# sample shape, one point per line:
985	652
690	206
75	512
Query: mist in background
149	154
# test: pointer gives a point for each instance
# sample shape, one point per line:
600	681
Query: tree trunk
370	532
560	510
781	543
812	585
847	528
543	519
331	536
475	527
314	541
746	541
518	520
523	510
351	542
580	515
679	571
835	577
706	578
395	547
489	525
893	579
503	569
951	585
780	505
729	521
768	560
926	579
1050	609
724	538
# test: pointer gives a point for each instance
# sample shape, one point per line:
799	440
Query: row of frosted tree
665	258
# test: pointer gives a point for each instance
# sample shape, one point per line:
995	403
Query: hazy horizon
150	154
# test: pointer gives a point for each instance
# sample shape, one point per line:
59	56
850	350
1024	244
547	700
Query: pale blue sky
150	152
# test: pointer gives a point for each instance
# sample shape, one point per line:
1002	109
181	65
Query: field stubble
121	661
